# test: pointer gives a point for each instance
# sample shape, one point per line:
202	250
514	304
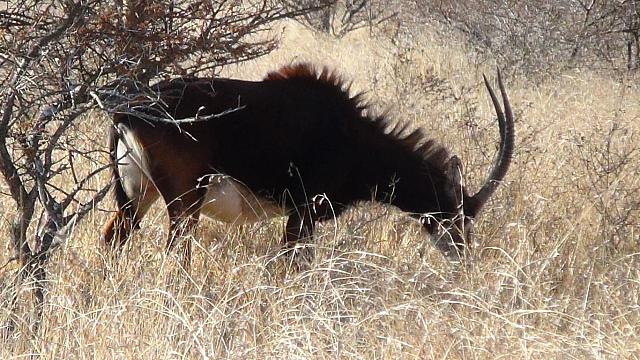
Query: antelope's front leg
298	235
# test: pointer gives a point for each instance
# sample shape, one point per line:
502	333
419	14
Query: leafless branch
71	57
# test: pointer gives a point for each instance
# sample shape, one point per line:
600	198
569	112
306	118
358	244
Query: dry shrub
537	36
340	17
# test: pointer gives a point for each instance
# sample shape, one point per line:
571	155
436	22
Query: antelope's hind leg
134	195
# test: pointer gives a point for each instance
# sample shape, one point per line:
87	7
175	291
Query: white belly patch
229	201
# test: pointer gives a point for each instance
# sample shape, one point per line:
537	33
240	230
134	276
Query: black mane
415	142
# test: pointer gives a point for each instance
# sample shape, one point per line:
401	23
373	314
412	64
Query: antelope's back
274	136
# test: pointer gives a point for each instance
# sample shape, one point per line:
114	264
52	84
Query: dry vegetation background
554	273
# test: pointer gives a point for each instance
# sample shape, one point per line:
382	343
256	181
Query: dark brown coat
297	141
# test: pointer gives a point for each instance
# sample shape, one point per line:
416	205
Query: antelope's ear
454	171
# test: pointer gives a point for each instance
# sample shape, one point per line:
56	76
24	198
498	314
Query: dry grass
555	273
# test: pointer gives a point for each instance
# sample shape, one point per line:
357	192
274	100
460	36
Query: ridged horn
507	139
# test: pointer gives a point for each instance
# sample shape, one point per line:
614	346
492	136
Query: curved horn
507	139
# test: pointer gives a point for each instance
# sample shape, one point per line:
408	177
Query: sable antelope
295	144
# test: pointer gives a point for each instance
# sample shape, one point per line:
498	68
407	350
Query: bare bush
61	59
535	35
607	156
339	17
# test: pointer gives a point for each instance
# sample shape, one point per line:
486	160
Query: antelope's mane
415	141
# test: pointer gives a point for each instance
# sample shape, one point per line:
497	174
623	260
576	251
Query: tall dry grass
555	271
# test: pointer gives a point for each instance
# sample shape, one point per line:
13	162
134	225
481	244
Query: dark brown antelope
295	144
